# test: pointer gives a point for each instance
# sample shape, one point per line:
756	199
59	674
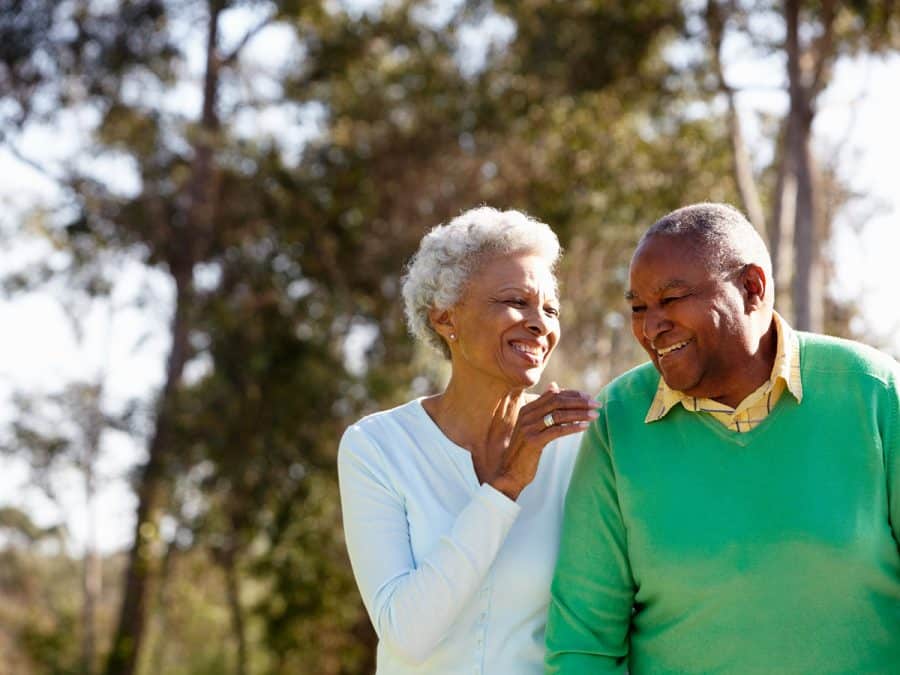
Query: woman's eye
637	309
517	302
552	311
666	301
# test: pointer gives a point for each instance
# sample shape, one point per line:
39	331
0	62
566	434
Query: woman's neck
477	418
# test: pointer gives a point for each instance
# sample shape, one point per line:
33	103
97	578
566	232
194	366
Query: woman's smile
531	352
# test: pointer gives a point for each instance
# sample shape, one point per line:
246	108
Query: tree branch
34	164
823	48
743	167
232	56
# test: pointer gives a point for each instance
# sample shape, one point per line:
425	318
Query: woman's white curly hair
448	255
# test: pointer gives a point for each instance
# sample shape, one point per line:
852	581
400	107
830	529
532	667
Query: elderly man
736	507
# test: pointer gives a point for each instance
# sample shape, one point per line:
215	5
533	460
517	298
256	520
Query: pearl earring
452	336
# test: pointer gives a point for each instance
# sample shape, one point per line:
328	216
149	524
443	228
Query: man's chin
678	383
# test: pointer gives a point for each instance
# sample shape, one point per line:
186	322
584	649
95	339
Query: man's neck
758	368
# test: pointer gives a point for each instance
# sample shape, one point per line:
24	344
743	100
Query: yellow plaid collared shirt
757	406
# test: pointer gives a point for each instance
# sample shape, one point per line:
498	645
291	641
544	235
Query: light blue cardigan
455	576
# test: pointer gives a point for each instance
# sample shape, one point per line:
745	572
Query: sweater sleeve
592	592
413	606
891	440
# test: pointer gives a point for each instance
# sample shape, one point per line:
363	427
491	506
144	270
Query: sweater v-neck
745	438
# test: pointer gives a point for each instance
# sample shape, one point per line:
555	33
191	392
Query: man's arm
891	449
593	590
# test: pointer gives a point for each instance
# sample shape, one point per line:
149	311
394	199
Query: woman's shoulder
384	429
372	448
378	426
401	414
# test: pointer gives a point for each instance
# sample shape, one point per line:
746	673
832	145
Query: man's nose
655	323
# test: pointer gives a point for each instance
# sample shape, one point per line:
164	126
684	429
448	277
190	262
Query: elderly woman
452	503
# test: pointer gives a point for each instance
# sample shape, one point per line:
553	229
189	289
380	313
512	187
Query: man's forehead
663	286
664	263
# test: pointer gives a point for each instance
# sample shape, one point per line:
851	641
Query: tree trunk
91	581
189	244
158	656
781	228
740	156
743	170
809	274
130	632
232	584
91	566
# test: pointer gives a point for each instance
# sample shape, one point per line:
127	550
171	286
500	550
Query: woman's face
506	323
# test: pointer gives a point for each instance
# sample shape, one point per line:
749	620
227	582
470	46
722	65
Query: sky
39	351
862	113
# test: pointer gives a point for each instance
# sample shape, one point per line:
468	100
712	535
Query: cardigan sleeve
592	592
412	606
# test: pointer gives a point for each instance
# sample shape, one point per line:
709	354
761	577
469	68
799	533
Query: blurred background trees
278	199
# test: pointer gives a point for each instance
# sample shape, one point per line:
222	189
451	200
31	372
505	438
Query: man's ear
754	283
442	321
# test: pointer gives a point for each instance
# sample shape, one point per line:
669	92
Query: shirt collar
786	367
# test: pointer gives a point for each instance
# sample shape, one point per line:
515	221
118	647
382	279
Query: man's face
691	319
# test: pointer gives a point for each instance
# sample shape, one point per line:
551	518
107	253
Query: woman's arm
412	607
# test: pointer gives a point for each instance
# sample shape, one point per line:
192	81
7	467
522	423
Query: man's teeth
670	348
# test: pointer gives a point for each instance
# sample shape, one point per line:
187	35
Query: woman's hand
554	414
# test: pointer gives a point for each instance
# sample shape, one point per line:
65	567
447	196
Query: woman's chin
529	377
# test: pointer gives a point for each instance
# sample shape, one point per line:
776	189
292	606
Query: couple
734	506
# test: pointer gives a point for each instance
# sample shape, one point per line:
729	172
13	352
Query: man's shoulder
636	386
825	353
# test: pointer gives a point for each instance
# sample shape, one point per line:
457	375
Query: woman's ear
442	321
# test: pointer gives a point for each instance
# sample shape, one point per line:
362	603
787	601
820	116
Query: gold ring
548	420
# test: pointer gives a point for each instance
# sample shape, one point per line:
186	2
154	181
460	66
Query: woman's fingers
569	416
561	398
559	430
565	406
554	414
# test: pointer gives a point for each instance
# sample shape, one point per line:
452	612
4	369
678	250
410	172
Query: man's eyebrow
668	286
674	283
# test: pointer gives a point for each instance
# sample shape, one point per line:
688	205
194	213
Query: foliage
285	266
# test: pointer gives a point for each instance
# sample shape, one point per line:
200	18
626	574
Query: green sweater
688	548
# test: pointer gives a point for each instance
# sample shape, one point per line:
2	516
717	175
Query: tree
287	321
38	439
61	432
182	234
815	36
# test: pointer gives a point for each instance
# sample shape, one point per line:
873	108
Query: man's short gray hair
448	255
722	232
